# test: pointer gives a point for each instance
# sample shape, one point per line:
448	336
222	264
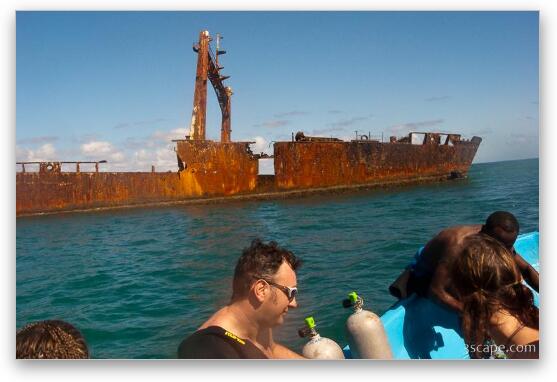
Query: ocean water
137	281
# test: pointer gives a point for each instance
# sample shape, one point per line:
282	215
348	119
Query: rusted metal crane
208	68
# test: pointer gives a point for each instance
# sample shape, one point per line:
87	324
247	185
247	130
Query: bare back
443	247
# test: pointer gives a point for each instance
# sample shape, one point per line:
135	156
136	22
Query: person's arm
276	350
438	288
280	351
528	272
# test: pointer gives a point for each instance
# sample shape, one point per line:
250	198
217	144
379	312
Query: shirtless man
430	275
263	289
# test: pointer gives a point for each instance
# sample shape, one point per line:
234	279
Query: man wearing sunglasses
264	288
429	276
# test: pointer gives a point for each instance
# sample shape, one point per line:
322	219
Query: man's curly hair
259	260
51	339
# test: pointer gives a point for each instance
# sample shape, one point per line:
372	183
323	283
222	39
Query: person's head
502	226
487	280
51	339
265	275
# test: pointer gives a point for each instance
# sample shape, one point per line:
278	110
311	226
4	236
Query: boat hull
418	328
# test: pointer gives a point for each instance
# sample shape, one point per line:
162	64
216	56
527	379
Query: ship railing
367	137
55	166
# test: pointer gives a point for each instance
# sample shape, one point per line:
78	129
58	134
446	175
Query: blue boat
418	328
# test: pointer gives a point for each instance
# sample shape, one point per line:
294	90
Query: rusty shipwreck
211	171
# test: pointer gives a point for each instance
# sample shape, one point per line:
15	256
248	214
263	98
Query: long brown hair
487	280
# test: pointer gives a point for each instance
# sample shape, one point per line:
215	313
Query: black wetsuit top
216	342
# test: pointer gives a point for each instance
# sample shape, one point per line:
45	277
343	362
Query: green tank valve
353	300
309	329
310	322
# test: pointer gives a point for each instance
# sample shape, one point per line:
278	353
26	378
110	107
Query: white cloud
47	151
134	154
117	157
163	158
166	159
155	140
96	148
44	153
102	150
168	136
156	149
261	146
141	155
21	153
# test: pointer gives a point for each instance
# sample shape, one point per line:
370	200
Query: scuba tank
318	347
365	331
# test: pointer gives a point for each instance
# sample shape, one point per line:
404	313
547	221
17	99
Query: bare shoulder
449	241
455	235
526	336
219	318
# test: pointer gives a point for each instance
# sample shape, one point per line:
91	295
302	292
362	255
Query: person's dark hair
501	219
51	339
259	260
487	280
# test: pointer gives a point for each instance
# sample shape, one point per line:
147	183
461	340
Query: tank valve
353	300
309	329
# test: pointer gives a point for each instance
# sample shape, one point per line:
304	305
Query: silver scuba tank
318	347
365	331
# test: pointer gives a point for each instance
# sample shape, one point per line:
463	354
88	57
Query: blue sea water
137	281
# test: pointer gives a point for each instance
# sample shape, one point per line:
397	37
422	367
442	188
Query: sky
118	86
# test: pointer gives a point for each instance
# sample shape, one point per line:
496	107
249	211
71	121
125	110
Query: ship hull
323	164
214	171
